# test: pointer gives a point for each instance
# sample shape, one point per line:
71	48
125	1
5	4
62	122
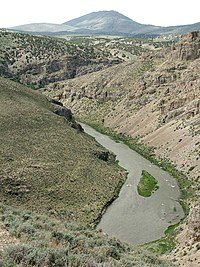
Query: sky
156	12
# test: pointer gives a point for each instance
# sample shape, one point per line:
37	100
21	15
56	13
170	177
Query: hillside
37	61
106	23
162	85
41	164
155	101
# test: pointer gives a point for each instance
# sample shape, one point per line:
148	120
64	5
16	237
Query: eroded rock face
60	110
105	156
186	253
194	223
188	48
191	36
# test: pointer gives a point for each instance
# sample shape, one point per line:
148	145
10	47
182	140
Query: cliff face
38	61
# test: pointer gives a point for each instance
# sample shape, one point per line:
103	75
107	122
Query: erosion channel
131	217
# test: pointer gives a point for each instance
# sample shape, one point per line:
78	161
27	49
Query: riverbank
148	153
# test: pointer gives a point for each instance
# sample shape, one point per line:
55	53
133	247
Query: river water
131	217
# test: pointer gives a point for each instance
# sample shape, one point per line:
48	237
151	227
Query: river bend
131	217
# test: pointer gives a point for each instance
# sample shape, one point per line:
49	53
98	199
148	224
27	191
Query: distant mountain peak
106	22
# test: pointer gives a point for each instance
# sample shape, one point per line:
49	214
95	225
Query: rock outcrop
187	252
60	110
188	48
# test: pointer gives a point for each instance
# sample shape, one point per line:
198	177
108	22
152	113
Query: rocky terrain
154	99
37	61
187	252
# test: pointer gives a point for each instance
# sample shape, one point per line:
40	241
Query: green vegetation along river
131	217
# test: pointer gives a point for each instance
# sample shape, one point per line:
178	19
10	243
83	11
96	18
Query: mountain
105	22
112	22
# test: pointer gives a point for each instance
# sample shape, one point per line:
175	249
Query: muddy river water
131	217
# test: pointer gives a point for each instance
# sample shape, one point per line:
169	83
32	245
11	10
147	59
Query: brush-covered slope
40	241
37	61
48	166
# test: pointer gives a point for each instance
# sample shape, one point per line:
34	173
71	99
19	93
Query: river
131	217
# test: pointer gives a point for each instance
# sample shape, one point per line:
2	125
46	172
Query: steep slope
155	100
44	241
48	166
37	61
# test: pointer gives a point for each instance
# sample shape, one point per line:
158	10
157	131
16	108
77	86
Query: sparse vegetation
41	168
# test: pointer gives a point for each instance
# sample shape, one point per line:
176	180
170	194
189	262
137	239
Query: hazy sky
156	12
